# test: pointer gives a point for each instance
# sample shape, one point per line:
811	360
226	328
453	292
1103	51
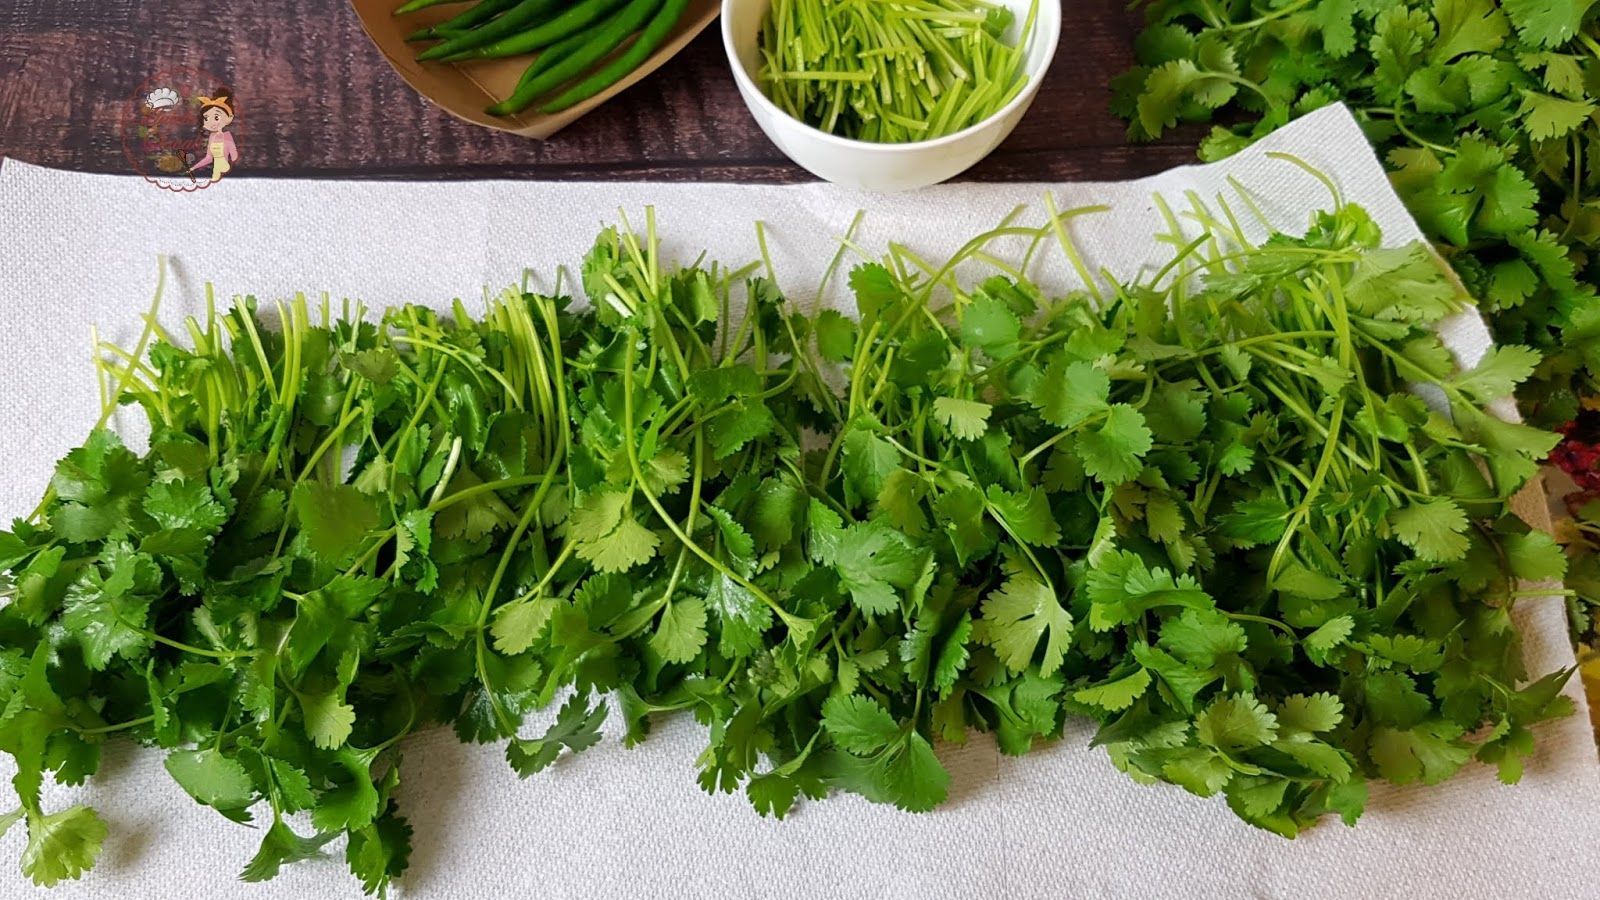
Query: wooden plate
464	89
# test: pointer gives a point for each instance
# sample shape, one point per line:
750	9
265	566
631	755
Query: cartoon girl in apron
216	114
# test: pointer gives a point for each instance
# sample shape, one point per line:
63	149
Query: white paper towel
80	250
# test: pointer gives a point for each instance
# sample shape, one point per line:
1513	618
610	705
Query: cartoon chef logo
179	133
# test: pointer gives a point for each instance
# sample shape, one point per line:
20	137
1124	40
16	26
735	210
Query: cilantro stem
487	487
471	365
915	456
838	254
120	726
484	605
1278	13
189	648
1400	125
447	474
1249	617
567	549
1069	247
144	335
138	353
333	436
1056	438
1329	451
672	525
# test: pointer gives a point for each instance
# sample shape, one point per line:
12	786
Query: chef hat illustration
162	98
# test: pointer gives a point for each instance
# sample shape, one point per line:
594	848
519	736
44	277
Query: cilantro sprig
1204	508
1483	110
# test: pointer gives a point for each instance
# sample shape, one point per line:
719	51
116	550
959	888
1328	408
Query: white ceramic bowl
872	166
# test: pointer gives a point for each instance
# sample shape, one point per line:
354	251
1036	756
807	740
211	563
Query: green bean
413	5
572	21
464	21
556	52
524	15
599	41
652	37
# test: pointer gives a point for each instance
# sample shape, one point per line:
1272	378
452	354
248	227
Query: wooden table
316	99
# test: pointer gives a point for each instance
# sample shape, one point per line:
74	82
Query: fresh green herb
893	71
1202	508
1484	112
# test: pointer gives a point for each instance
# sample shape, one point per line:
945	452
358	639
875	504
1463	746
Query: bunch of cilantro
1484	111
1203	510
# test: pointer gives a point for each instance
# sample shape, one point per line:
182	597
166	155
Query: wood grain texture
316	99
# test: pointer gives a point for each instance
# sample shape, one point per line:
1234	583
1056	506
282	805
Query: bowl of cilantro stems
891	95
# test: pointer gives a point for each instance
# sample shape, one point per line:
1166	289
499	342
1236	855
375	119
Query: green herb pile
1482	109
1485	114
1202	509
892	71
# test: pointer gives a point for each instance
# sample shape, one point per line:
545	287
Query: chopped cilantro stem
891	72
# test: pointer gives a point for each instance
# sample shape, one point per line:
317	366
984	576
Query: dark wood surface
315	98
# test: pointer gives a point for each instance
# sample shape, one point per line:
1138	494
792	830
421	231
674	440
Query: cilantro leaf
279	847
1434	528
858	724
989	325
883	762
1499	372
872	561
1121	588
747	420
1309	713
777	513
1236	723
62	846
329	720
1404	283
519	624
953	655
609	536
1118	694
576	728
682	630
1547	116
184	504
1468	26
1428	753
335	519
1017	617
1070	392
966	419
1025	515
866	461
211	778
836	335
1114	451
107	612
742	617
1547	24
380	852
